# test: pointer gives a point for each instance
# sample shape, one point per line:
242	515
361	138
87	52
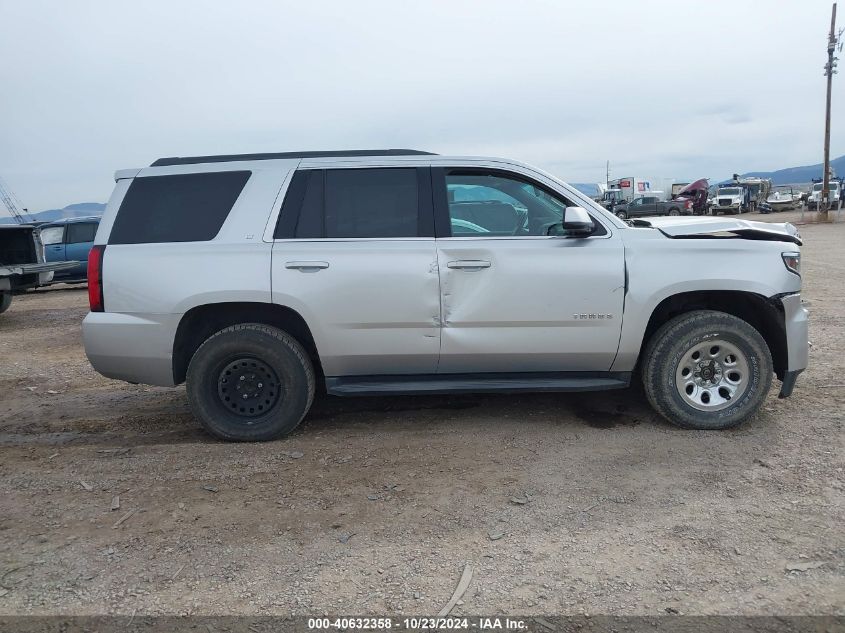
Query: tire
674	212
267	357
621	215
671	352
5	301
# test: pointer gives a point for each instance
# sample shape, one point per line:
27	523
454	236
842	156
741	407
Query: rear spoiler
123	174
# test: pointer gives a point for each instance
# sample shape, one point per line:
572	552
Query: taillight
95	278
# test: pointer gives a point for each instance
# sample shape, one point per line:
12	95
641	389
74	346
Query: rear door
354	253
515	299
79	238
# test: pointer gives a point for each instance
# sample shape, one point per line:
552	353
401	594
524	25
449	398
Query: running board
477	383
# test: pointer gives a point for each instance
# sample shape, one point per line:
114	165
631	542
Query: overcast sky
659	88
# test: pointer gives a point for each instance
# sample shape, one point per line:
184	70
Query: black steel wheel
250	382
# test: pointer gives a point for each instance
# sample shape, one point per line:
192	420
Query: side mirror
576	223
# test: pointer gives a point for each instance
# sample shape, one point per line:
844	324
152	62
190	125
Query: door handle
307	266
469	264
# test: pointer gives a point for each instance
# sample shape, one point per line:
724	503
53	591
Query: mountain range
800	175
78	210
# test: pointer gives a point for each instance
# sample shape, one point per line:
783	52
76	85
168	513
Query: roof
87	218
226	158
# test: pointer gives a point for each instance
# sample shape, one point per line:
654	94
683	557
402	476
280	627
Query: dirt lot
560	503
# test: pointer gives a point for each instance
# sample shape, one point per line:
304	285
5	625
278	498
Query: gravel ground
561	504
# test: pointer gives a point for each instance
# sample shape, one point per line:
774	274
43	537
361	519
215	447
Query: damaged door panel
530	304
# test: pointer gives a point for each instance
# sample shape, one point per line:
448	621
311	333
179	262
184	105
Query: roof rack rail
225	158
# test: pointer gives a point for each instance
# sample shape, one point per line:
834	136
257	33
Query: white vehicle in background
814	200
729	200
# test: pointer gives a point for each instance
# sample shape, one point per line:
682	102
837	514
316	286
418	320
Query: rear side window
180	208
357	203
82	232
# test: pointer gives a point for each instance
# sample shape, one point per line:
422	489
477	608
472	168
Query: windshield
834	186
732	191
817	187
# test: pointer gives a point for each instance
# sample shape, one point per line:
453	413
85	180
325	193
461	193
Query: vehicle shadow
163	417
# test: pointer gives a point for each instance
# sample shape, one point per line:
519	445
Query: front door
513	298
354	254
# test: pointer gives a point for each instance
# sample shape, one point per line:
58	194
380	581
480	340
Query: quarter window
179	208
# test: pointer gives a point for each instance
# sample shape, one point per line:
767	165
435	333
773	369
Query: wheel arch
763	314
200	322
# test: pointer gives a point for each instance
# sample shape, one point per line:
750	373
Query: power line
833	44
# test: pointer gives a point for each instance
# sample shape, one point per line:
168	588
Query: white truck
815	197
731	200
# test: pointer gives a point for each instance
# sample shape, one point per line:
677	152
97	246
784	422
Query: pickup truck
257	279
22	261
651	205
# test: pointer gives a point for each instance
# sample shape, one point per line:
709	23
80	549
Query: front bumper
797	343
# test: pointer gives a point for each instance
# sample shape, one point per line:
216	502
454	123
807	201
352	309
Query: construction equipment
12	204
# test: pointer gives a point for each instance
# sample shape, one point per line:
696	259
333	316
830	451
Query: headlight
792	261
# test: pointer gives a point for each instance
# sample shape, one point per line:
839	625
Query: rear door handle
307	266
469	264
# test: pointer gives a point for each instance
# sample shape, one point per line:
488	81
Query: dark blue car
69	240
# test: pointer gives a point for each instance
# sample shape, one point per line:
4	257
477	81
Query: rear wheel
5	301
621	215
250	382
674	212
707	370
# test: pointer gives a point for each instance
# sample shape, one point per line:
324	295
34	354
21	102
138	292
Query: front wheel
621	215
5	301
250	383
707	370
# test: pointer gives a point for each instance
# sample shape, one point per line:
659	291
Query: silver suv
256	278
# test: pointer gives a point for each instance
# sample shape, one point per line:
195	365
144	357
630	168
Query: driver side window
494	205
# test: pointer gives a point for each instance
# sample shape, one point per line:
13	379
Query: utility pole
829	71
